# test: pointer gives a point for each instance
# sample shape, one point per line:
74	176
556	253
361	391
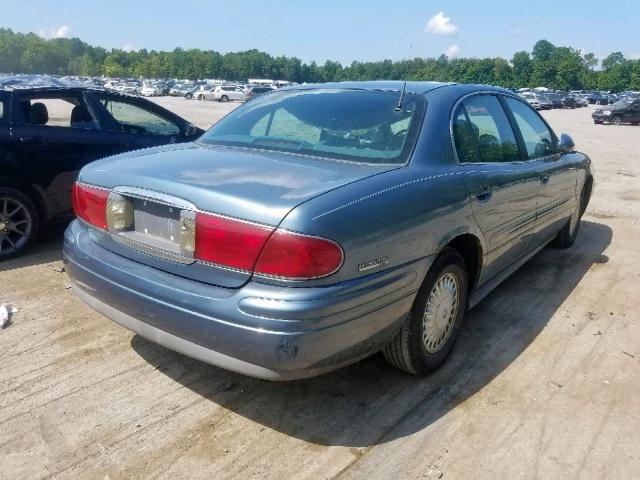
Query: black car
47	134
626	110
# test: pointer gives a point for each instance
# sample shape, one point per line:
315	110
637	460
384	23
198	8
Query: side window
491	129
69	112
2	111
463	136
135	119
537	137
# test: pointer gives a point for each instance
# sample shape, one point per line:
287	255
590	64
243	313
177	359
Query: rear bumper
258	330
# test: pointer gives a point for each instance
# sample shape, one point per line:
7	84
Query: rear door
55	134
503	186
556	174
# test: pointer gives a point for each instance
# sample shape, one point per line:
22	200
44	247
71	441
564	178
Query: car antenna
399	106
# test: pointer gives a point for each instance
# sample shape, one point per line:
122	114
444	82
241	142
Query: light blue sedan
320	224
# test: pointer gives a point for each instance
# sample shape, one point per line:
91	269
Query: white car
226	93
150	91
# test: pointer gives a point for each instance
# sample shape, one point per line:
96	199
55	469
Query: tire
598	122
224	99
617	120
188	96
567	235
19	222
201	97
413	349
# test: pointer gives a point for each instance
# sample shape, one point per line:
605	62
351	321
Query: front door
557	176
503	188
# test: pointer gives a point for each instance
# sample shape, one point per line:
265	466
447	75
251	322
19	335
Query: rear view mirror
566	143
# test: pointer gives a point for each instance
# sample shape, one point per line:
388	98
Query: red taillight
228	242
296	256
247	246
90	204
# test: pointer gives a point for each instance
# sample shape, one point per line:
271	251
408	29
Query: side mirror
190	130
566	143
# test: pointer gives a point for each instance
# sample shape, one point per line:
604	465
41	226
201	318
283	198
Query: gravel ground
544	381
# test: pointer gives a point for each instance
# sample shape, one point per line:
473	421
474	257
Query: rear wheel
19	222
188	96
224	98
617	120
567	236
425	340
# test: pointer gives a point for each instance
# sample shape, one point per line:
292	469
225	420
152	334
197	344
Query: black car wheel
617	120
567	236
18	222
224	98
188	96
427	337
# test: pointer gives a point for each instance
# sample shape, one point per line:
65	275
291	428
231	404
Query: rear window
355	125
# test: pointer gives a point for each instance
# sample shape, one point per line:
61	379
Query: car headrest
38	114
80	114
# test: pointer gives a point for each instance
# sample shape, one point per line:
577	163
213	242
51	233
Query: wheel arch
470	249
30	191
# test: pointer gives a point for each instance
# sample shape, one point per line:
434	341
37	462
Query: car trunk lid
166	183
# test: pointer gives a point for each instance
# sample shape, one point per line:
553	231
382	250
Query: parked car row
543	100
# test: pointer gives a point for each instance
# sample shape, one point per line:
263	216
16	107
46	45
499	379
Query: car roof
419	88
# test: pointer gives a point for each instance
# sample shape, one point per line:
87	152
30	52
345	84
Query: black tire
224	99
617	120
408	349
598	122
567	235
201	97
188	96
19	222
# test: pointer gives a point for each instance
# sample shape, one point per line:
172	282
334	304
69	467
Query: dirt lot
544	381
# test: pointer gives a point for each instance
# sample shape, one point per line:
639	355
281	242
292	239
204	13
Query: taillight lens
295	256
229	242
90	204
248	246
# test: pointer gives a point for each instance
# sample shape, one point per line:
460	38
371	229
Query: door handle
485	194
544	179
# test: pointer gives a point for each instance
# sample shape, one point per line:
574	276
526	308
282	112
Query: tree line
563	68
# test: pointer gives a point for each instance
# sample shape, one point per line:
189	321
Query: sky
364	30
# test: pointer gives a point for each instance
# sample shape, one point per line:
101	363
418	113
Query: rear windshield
356	125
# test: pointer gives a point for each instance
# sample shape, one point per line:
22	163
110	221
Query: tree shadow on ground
365	404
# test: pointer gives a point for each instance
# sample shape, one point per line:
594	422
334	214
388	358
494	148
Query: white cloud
62	31
128	47
516	32
452	51
634	56
441	25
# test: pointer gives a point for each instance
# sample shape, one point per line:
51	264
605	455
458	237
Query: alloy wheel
15	225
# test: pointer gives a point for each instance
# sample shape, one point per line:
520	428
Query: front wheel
18	222
425	340
617	120
224	99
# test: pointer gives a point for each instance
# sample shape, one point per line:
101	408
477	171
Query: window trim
516	132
